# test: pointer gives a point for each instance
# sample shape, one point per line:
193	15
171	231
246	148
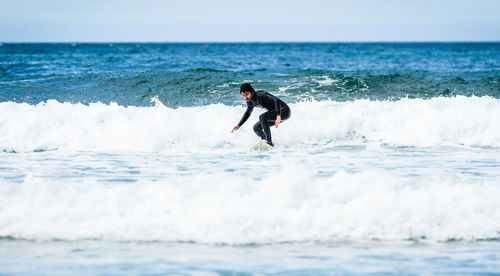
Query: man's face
247	95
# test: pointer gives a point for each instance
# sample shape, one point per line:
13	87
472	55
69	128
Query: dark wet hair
246	87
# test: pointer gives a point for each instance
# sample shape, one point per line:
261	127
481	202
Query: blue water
119	159
183	74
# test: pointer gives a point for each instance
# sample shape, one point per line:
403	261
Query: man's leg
267	119
258	130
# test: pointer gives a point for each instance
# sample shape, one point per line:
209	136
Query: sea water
119	159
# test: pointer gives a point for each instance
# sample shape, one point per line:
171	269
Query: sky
255	20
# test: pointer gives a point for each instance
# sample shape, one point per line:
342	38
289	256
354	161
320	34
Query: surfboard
261	146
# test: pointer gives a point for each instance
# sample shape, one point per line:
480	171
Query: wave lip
457	121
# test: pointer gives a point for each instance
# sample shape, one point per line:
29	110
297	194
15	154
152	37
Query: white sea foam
100	127
289	205
208	198
325	81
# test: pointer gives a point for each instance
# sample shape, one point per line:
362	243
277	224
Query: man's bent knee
257	127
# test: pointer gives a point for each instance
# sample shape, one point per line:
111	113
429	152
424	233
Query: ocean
118	159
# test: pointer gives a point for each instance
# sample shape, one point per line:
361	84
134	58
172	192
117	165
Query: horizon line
256	42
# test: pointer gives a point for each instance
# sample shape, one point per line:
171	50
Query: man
277	111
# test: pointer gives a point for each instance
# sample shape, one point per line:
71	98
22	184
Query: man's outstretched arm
244	118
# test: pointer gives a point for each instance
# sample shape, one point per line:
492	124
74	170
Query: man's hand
278	121
235	128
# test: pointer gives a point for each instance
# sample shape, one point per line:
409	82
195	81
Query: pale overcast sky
255	20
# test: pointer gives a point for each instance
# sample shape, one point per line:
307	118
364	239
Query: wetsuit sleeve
246	115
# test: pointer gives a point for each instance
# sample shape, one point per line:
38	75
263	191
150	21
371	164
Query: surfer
277	111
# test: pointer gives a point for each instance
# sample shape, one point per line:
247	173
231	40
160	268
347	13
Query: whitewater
411	169
51	125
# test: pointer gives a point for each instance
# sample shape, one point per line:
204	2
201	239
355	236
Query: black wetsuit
274	106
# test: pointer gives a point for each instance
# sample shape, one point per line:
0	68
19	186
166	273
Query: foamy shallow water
107	258
345	209
344	193
352	187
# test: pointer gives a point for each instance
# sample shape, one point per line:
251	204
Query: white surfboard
261	146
